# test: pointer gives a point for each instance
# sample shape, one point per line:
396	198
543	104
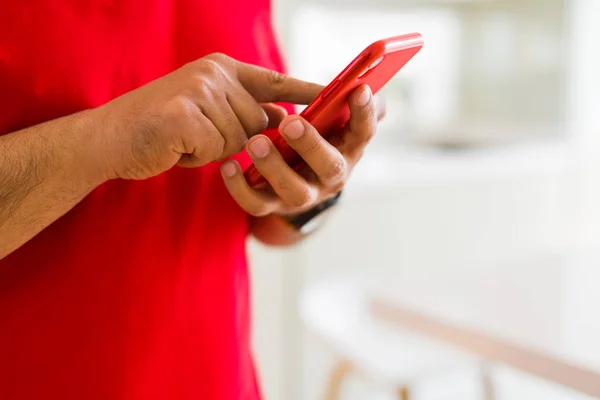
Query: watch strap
299	220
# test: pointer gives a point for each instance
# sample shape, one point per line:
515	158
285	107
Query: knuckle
191	66
214	148
337	170
276	78
304	197
203	84
180	107
212	68
218	57
282	183
257	209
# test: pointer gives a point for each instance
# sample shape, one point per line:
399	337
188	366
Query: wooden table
540	315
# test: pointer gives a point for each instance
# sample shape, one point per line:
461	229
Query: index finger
268	86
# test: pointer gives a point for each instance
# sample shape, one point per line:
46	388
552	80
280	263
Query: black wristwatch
310	220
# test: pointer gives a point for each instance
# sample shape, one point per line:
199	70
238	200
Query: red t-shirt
141	291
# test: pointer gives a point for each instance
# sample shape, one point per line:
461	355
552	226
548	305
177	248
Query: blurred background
484	180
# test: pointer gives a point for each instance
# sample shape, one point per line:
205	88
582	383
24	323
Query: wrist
272	230
90	147
308	221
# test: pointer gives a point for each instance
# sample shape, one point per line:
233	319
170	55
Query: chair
337	311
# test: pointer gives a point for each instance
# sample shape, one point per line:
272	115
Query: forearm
45	171
274	231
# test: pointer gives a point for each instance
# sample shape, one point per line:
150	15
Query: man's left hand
329	163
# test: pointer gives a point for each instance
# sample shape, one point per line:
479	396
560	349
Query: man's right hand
202	112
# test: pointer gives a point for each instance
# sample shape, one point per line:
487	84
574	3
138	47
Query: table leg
487	382
403	393
336	378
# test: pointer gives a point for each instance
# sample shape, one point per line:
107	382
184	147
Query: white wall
397	228
413	225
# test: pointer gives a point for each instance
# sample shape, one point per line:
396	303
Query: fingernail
228	169
364	97
294	129
259	147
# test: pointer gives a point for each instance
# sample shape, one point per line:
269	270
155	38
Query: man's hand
330	164
203	112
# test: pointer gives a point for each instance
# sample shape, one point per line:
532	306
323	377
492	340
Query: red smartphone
329	111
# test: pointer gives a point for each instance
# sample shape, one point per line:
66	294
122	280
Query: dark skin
206	111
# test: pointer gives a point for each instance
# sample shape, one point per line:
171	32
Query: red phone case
329	111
